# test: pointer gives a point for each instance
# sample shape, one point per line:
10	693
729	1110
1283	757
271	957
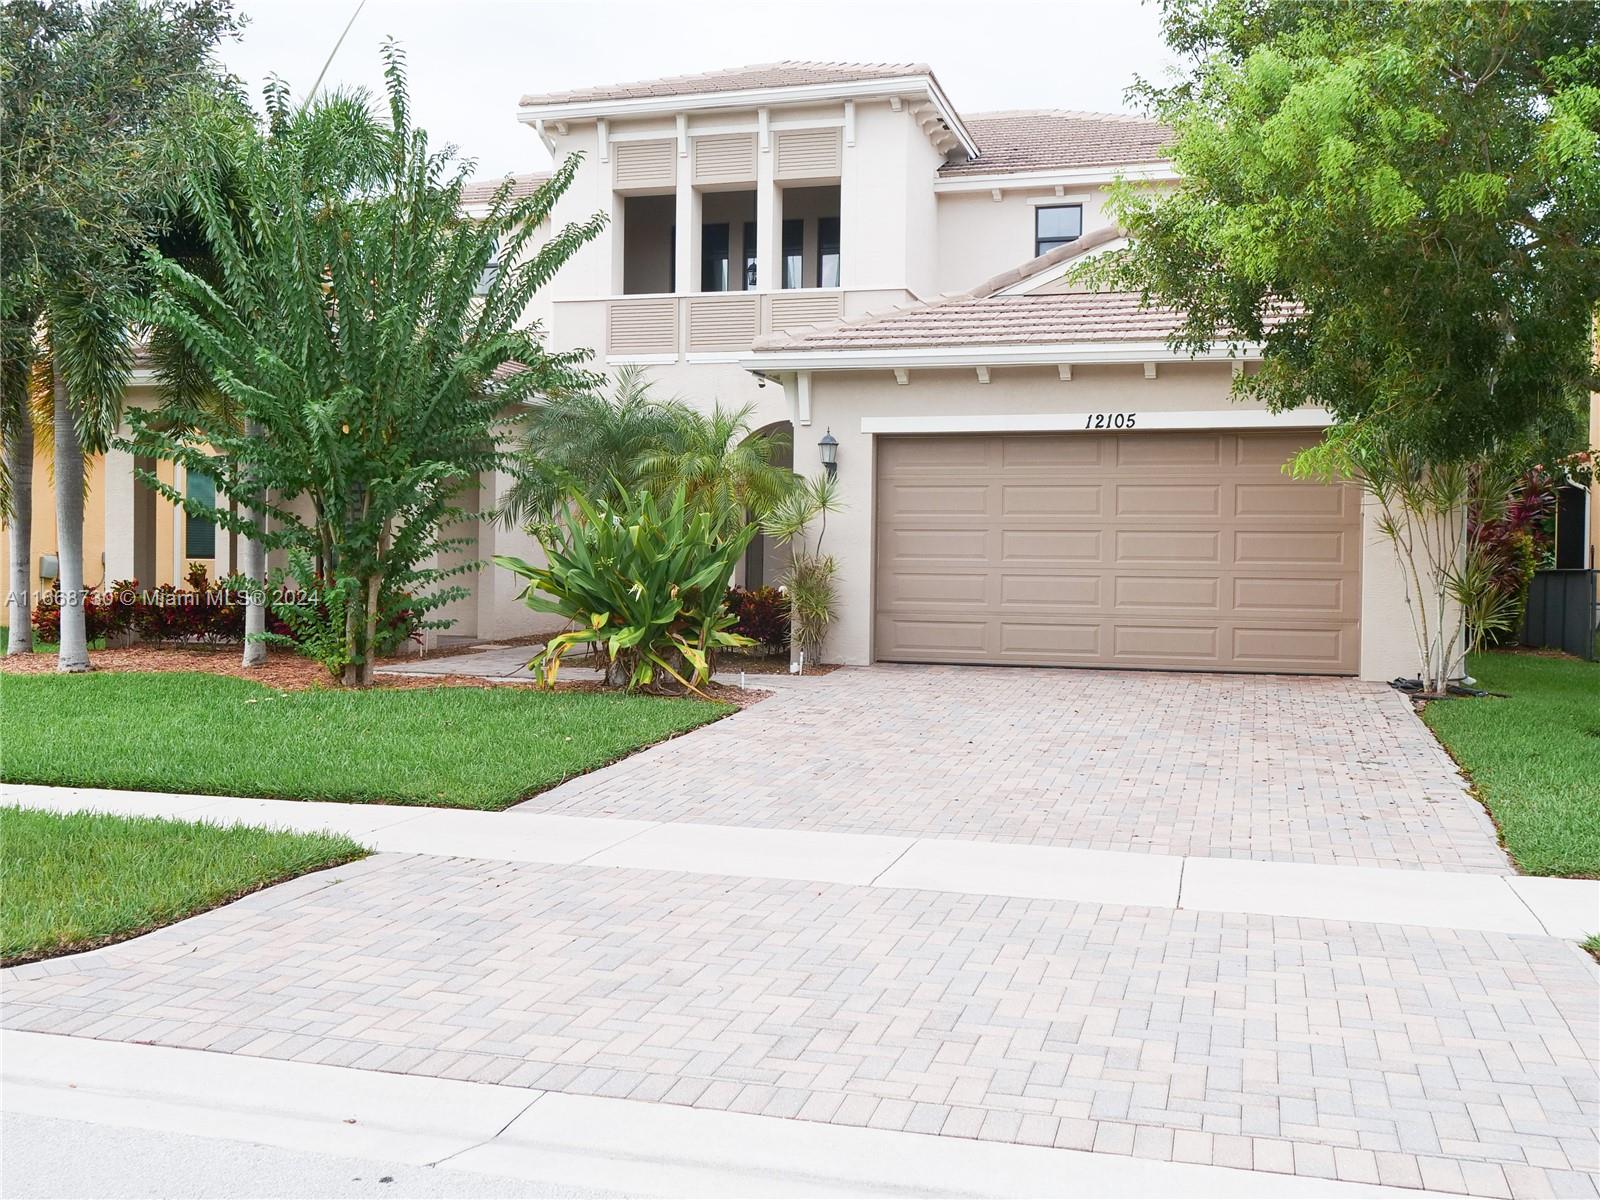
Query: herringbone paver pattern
1452	1060
1287	769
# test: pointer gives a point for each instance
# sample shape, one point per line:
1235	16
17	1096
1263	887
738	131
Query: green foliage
644	581
811	578
453	747
723	468
363	374
590	443
1423	506
73	881
83	90
608	447
1400	200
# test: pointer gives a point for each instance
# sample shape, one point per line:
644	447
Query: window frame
824	253
1043	245
794	251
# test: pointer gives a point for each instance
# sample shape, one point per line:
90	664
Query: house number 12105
1109	420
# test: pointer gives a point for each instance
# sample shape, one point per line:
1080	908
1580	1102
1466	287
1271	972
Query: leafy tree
1401	201
349	332
82	87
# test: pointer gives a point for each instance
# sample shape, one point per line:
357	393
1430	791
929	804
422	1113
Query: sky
471	60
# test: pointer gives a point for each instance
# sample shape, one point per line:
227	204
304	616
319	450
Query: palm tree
724	468
17	342
590	443
80	382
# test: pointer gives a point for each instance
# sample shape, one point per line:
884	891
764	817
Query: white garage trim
1222	418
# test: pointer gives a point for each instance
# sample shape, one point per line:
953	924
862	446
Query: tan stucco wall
840	401
979	237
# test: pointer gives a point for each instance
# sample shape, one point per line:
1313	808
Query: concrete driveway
1292	769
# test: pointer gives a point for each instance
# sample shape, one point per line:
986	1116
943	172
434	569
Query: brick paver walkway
1288	769
1456	1061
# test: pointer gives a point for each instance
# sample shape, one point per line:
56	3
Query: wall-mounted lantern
828	448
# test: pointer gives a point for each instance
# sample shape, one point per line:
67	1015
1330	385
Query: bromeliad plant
644	582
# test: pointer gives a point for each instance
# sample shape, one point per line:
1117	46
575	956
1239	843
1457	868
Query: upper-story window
491	272
828	252
714	257
794	253
1056	225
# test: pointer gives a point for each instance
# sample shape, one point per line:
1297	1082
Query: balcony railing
705	323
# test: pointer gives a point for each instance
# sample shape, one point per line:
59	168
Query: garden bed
1533	756
75	881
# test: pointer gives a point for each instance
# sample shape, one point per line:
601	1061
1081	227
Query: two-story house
1030	474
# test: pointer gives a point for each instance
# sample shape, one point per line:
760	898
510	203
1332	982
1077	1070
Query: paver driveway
1295	769
1415	1057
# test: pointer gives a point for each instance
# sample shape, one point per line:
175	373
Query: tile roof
984	317
1045	319
481	191
1044	138
734	79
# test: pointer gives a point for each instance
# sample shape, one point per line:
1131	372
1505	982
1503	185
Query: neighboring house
1030	475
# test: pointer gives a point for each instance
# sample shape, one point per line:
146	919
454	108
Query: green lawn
1535	757
458	747
79	880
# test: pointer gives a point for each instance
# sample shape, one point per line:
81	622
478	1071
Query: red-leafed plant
1509	545
763	616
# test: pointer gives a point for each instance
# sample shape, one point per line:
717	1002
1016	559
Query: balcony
704	325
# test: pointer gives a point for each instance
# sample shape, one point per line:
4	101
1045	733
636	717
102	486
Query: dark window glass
199	534
828	252
1056	226
714	257
794	253
491	271
749	256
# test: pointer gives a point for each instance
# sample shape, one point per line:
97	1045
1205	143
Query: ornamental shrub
644	582
762	615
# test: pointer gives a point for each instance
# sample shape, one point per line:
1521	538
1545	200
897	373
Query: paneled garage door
1187	551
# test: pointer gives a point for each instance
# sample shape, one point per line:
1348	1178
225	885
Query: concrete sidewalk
1567	908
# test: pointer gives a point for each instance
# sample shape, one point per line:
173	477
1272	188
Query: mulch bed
291	673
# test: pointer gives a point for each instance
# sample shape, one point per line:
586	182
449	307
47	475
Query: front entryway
1172	550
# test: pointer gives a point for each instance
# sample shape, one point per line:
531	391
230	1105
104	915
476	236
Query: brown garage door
1188	551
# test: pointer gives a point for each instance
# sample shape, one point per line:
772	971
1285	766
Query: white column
120	518
687	216
769	214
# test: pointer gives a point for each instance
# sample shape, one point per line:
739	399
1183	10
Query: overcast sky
472	59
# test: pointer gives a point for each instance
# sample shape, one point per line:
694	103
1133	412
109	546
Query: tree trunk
19	535
74	654
253	565
370	650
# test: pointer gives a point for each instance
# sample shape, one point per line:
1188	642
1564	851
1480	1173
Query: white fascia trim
639	106
992	356
1220	418
1156	172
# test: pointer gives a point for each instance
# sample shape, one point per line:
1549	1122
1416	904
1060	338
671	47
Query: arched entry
764	561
